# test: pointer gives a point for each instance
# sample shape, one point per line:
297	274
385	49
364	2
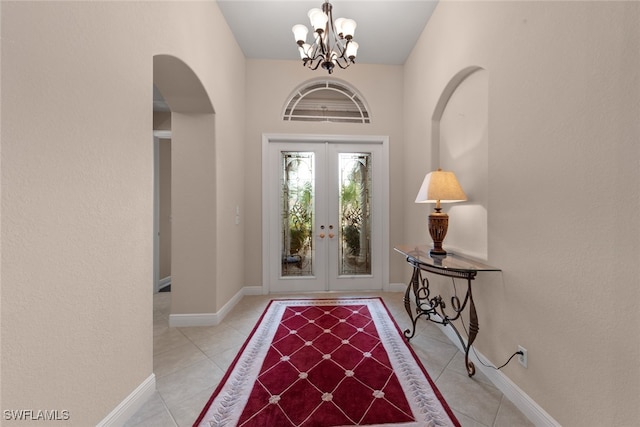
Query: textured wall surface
380	86
77	192
563	191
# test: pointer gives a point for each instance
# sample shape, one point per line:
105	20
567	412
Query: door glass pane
355	214
297	213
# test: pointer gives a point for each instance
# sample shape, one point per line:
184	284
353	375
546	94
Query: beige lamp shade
440	186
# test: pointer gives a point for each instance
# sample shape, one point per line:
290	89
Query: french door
326	216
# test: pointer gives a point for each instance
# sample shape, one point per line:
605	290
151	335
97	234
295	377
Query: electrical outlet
522	358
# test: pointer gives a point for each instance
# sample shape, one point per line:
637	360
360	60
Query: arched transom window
326	101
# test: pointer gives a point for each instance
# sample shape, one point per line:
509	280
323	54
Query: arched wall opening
193	187
460	143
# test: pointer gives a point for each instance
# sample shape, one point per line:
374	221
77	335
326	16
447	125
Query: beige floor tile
189	363
510	416
188	381
458	365
222	342
168	339
153	407
160	327
468	422
472	398
243	326
434	355
198	334
224	359
187	411
161	419
174	359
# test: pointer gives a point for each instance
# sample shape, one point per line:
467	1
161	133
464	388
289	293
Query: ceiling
387	29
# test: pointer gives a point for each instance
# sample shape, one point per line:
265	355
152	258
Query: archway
193	186
460	143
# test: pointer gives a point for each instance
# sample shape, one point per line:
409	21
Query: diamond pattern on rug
326	362
326	366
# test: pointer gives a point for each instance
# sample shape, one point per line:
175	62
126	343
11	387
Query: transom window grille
326	101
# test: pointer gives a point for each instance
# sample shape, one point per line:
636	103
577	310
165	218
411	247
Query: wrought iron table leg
413	285
473	331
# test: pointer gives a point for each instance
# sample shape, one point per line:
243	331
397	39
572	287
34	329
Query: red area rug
326	362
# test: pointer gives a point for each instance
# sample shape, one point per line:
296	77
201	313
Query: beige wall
269	85
194	209
164	174
77	192
563	191
161	120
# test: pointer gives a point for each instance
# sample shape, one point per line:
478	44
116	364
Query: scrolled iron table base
434	307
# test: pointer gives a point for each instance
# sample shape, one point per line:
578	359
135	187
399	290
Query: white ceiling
387	29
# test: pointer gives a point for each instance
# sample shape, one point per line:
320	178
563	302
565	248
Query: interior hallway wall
162	121
77	192
165	209
269	85
563	188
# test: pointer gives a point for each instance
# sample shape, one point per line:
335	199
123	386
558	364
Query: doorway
326	209
161	209
193	189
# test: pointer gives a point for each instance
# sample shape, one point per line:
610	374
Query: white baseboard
527	406
130	405
193	319
212	319
164	282
515	394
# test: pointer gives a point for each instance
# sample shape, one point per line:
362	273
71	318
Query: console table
433	308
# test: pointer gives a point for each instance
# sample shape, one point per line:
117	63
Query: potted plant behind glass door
297	217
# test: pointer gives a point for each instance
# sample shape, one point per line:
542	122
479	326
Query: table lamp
439	187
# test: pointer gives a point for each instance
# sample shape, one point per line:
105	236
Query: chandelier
333	42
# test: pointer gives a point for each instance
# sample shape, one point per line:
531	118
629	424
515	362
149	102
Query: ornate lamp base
438	225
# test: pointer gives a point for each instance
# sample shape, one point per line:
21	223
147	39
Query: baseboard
515	394
193	319
526	404
129	406
212	319
163	283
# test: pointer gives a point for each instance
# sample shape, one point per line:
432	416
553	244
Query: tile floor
189	363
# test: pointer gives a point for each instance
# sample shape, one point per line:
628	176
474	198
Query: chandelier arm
318	55
321	46
344	67
343	50
329	47
317	64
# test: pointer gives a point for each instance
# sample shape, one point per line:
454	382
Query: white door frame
306	138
